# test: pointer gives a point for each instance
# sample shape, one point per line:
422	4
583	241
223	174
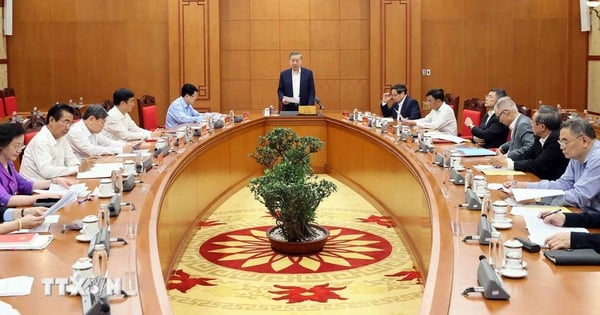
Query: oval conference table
398	181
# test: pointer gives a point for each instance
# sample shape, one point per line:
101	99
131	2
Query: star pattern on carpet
378	219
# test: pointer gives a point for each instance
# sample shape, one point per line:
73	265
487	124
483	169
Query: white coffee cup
105	187
500	209
180	133
90	226
129	167
82	269
513	254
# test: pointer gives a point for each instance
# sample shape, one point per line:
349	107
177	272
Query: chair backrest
2	112
453	101
149	118
10	101
524	110
143	102
29	135
107	104
473	108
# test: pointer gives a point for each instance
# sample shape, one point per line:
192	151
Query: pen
549	214
512	184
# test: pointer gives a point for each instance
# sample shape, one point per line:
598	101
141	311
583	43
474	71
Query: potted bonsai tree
290	190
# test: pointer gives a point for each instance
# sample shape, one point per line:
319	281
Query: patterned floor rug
229	267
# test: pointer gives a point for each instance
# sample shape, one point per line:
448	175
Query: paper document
444	136
501	171
100	170
15	286
482	167
540	231
498	186
43	228
527	194
66	199
476	152
38	242
291	99
145	153
81	189
534	210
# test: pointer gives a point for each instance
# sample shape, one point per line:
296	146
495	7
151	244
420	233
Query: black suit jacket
410	109
494	133
586	220
546	162
307	88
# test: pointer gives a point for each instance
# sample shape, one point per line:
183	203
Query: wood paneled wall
235	49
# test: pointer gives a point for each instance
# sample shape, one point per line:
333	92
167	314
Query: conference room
234	52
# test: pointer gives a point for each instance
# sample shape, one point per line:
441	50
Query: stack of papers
447	137
81	189
24	241
528	193
15	286
540	231
501	171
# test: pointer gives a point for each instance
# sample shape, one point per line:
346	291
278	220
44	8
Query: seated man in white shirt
441	117
48	154
119	125
85	137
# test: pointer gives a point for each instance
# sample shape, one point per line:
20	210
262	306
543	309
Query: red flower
183	282
408	276
209	223
381	220
320	293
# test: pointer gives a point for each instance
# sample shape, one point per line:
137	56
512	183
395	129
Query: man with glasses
85	137
521	134
181	111
491	133
581	179
48	154
119	125
544	159
398	105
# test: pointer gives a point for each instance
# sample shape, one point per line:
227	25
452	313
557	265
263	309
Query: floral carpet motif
229	268
249	250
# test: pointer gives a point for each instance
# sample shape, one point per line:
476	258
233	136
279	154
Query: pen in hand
545	215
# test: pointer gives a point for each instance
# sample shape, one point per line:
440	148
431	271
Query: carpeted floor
229	267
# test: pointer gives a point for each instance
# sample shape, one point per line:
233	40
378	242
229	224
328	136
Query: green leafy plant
288	188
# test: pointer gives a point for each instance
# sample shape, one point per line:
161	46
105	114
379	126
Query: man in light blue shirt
181	110
581	179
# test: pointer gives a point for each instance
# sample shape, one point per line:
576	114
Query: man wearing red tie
296	85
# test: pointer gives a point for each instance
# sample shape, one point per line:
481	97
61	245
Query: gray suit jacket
521	140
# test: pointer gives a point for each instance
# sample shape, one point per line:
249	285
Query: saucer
83	238
513	273
502	225
506	220
100	195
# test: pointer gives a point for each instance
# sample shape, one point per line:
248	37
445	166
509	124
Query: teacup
90	226
105	187
500	209
82	269
513	254
129	167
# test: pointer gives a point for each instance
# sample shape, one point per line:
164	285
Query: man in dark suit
545	158
296	83
490	133
521	139
398	99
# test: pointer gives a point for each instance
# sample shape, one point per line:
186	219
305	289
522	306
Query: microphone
484	232
490	283
318	101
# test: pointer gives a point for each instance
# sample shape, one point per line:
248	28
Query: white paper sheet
527	194
43	228
447	137
66	199
100	170
540	231
81	189
291	99
16	286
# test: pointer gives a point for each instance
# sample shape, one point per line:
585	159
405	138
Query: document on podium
291	99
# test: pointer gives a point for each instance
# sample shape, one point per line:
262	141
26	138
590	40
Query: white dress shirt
296	83
121	127
442	120
84	143
46	157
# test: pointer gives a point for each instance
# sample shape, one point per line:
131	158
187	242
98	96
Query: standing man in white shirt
48	154
441	117
119	125
85	137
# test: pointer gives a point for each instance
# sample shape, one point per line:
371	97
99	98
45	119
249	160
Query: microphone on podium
318	101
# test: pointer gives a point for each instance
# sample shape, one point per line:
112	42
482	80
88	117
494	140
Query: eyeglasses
565	142
17	146
501	113
66	123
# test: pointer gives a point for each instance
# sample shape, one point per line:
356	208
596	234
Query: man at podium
296	84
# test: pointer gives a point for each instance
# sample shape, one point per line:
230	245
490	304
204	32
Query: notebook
584	256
